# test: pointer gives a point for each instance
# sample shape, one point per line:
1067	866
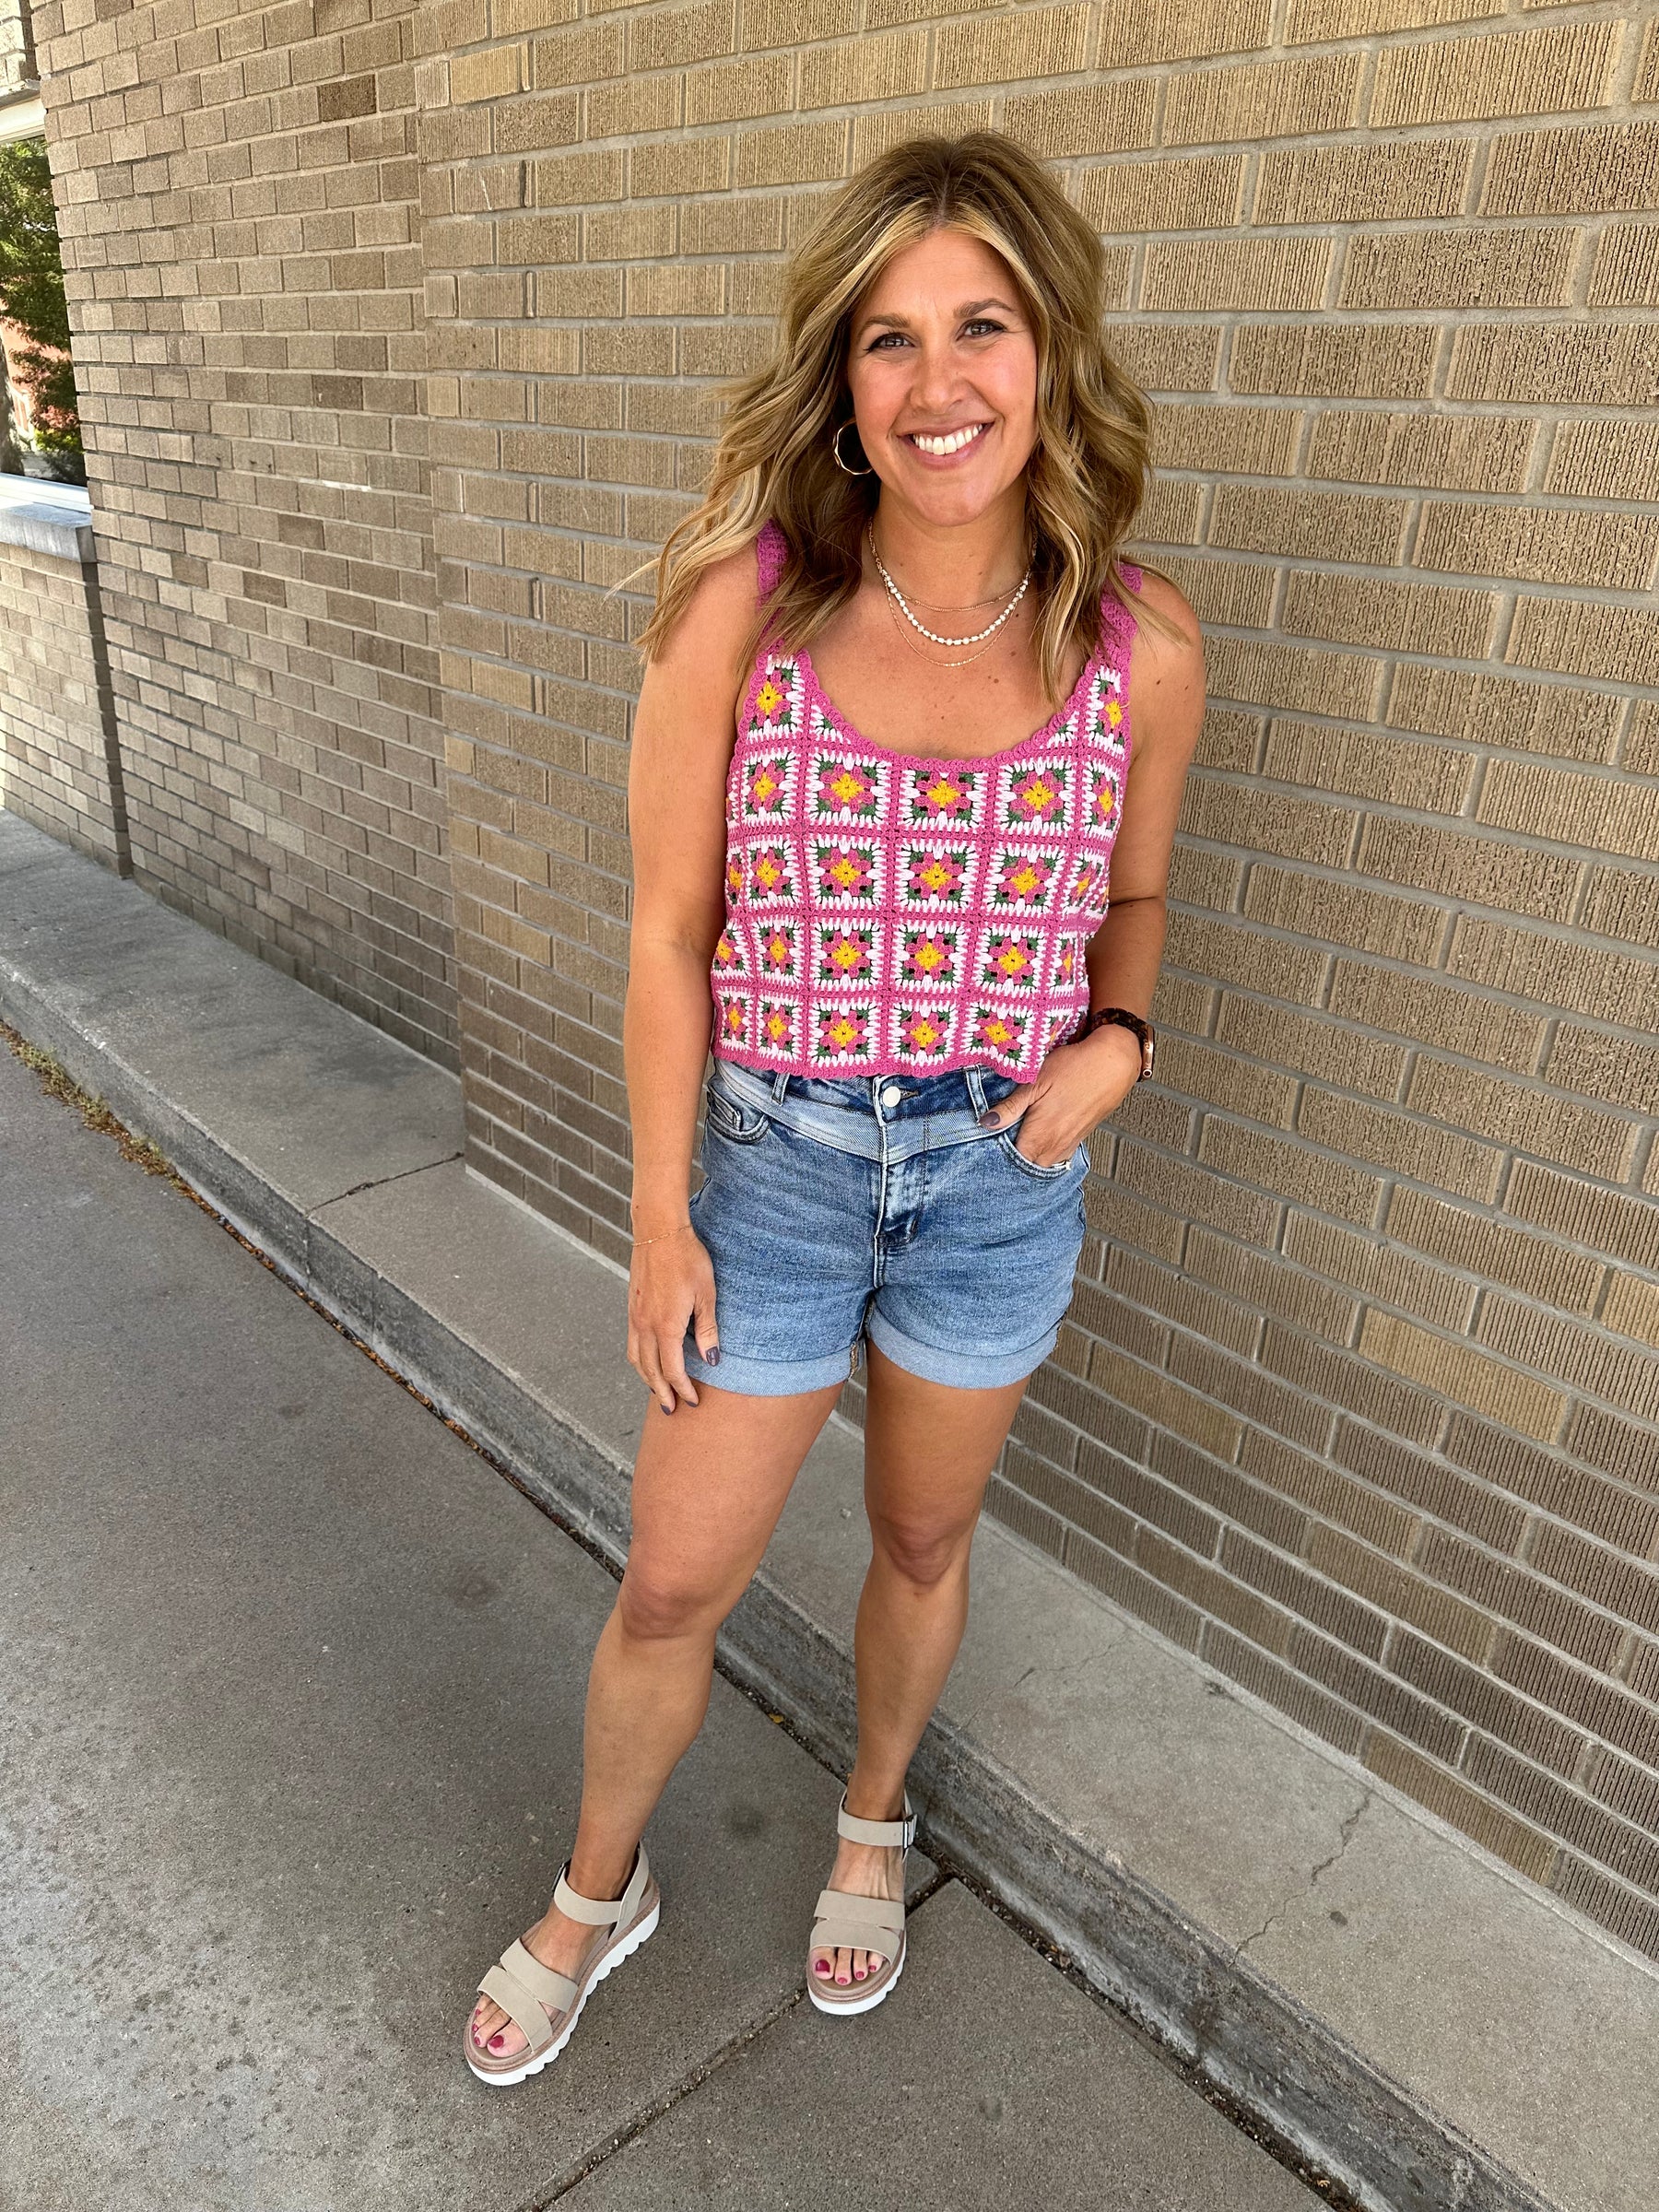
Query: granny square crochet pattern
887	912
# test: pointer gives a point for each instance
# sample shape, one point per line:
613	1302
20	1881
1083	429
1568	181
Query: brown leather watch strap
1136	1024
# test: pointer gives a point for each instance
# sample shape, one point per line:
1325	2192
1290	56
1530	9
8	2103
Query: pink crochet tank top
893	913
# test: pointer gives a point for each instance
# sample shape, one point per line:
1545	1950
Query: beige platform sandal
847	1920
527	1991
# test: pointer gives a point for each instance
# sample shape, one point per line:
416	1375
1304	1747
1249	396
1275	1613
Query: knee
656	1603
923	1553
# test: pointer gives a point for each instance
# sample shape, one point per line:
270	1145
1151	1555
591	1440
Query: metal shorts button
893	1096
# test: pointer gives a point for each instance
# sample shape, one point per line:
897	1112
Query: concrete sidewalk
1433	2030
280	1772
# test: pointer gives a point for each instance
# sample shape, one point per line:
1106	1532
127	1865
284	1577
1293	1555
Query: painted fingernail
712	1355
990	1118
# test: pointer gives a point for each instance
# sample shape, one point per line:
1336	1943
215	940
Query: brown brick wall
16	49
1359	1398
237	196
56	717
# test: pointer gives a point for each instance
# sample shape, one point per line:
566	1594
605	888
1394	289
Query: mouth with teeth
941	444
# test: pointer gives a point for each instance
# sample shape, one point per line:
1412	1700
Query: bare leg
928	1454
709	1485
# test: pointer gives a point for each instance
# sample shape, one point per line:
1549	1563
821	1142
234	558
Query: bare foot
566	1945
865	1870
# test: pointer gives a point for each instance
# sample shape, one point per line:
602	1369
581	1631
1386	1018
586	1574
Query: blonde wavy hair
1088	472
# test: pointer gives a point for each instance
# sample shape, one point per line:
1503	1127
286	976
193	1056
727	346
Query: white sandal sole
505	2079
852	2005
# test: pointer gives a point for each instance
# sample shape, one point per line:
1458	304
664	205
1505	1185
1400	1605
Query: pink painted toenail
823	1966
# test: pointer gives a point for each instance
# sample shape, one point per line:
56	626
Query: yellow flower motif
1026	881
777	949
1114	713
1012	959
936	875
842	1032
767	868
995	1030
847	787
927	957
1037	795
942	792
768	699
846	954
765	783
777	1027
845	871
924	1035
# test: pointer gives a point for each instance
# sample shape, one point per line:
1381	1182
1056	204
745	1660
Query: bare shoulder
1170	643
703	646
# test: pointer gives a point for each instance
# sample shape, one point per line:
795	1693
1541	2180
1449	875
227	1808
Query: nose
934	384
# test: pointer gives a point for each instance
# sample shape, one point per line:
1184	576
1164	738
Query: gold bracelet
639	1242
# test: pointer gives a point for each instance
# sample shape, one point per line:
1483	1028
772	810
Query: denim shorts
878	1206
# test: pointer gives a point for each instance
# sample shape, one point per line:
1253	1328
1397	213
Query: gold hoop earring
835	449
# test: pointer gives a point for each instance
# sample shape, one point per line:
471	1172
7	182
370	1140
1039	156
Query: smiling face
942	363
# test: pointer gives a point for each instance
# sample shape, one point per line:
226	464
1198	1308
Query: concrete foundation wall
1360	1395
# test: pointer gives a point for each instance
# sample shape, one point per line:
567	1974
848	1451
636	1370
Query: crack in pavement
1351	1824
376	1182
589	2161
646	2115
965	1719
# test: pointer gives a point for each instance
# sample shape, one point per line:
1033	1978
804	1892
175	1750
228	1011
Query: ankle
883	1801
602	1877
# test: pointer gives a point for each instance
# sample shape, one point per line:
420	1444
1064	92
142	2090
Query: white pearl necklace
931	635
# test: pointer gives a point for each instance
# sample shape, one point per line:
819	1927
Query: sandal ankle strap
895	1835
603	1912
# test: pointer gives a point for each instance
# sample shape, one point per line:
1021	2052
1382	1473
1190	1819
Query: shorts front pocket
1038	1173
735	1119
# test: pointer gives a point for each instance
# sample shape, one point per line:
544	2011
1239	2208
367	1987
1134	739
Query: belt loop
779	1088
976	1089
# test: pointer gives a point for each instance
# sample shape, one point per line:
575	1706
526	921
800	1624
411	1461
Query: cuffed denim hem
768	1378
961	1370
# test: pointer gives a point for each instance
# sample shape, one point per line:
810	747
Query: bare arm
1080	1083
684	731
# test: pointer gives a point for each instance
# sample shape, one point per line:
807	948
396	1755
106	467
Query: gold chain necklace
933	637
928	657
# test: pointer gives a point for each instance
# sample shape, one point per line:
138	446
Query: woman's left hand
1076	1088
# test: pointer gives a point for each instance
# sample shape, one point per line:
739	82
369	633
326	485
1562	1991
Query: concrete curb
1251	2038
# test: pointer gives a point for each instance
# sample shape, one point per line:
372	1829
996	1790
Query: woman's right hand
670	1285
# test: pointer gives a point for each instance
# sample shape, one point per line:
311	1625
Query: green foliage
31	292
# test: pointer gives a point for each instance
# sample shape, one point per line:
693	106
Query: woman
882	762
